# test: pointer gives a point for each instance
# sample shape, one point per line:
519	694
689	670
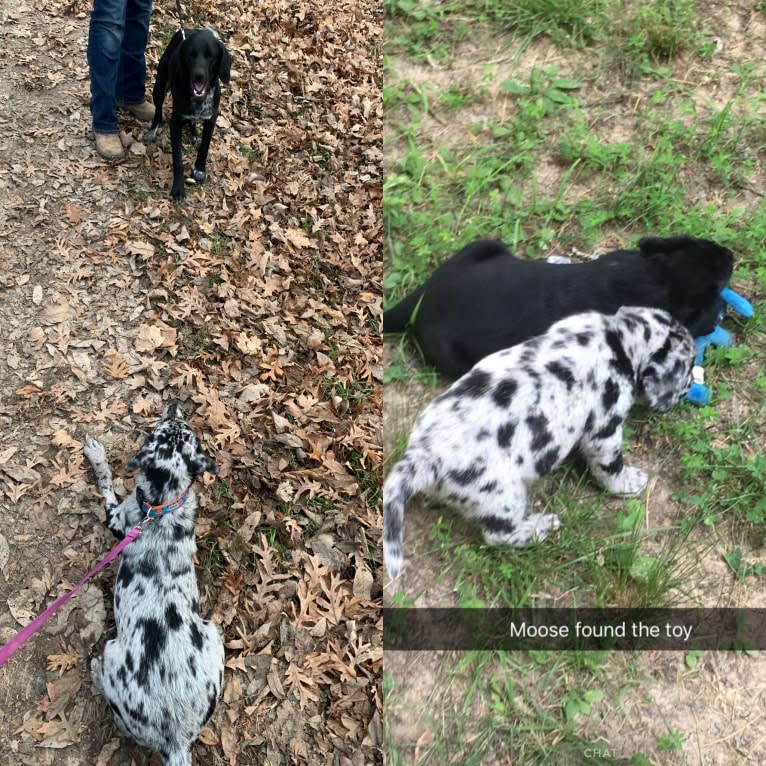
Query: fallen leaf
57	312
363	580
299	238
107	751
229	742
62	438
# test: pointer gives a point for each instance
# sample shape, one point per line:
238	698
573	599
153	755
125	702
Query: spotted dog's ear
172	411
666	376
201	462
142	459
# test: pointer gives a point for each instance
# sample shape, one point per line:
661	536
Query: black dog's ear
664	245
224	67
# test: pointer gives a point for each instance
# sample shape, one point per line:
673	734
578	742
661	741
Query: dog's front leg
119	516
177	192
158	96
198	174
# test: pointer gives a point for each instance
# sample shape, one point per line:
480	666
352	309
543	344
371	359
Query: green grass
598	557
529	705
615	130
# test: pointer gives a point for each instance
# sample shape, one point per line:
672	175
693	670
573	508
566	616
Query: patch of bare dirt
257	304
717	707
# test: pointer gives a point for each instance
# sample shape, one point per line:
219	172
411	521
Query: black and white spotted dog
519	412
163	673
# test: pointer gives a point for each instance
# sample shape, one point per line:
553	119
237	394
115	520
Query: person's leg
105	38
131	78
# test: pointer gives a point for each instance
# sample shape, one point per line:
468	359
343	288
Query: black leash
180	19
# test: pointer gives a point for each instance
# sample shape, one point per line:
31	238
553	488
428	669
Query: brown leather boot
143	111
109	146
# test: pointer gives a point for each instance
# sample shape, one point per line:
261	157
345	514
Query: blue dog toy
699	393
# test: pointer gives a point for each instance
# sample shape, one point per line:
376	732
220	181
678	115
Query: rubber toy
699	393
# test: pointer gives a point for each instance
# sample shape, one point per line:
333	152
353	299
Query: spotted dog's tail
408	477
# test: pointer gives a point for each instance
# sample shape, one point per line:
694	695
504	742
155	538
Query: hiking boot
143	111
109	146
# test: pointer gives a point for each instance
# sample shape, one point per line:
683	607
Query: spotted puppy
162	675
519	412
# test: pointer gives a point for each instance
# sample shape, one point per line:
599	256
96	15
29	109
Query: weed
691	658
735	560
247	151
570	22
222	491
670	742
369	480
212	557
580	703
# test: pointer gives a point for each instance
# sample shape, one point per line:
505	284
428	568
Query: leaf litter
257	303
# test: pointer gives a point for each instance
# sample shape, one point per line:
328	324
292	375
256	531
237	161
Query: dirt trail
46	164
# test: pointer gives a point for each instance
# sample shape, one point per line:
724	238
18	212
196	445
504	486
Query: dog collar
155	511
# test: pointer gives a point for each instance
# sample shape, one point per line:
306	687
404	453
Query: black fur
484	299
193	68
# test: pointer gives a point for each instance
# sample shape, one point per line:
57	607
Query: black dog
192	64
484	299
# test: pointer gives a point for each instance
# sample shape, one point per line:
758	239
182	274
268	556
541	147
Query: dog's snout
172	411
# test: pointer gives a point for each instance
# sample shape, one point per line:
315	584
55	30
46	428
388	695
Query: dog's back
163	673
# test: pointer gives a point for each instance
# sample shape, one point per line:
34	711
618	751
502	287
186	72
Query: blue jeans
119	31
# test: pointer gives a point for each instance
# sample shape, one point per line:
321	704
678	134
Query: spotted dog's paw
94	451
631	481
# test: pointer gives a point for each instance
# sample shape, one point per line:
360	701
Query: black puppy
484	299
192	66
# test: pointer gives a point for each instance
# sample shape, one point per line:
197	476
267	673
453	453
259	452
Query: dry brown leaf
149	338
28	390
62	438
299	238
62	662
142	405
115	365
57	312
301	685
74	213
37	337
208	736
16	491
144	249
229	742
107	751
363	580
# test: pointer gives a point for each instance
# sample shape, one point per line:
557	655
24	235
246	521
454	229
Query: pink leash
7	651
